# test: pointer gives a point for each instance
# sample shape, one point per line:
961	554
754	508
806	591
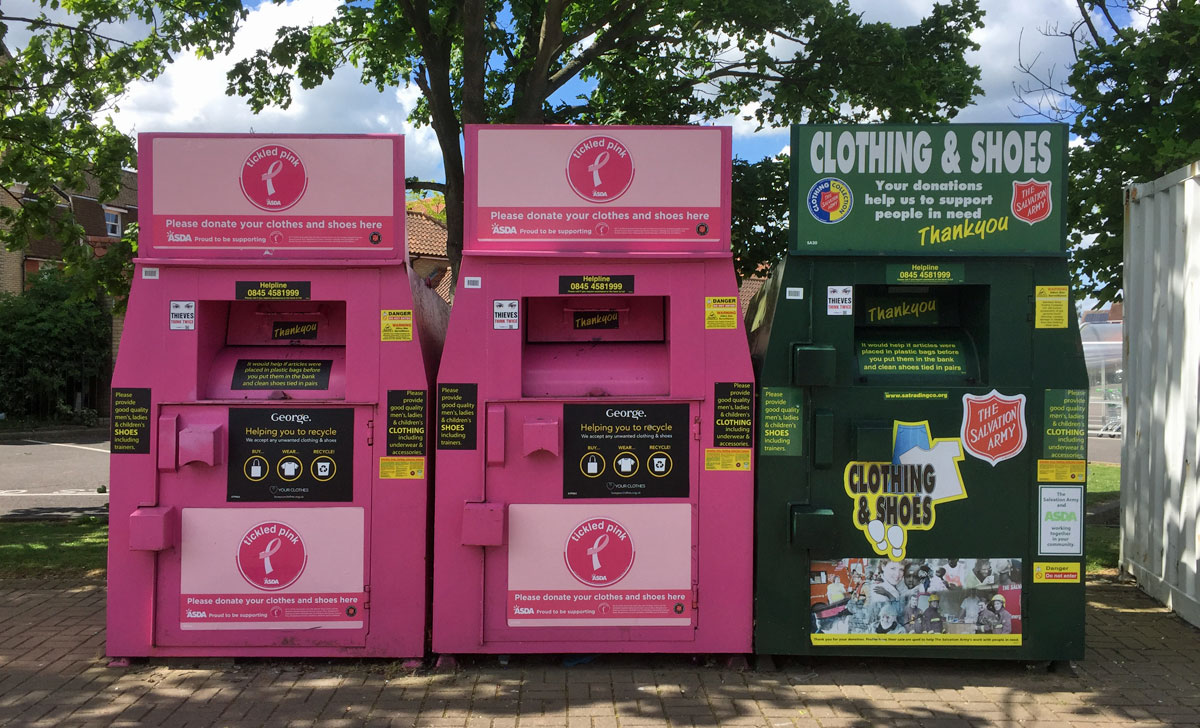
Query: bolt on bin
595	403
269	470
922	399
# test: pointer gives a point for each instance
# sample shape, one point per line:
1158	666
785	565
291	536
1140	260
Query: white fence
1160	491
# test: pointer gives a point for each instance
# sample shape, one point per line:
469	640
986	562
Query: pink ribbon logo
600	544
272	172
594	167
272	548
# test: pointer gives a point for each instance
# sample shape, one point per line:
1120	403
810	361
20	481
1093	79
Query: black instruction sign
405	422
291	454
130	421
282	374
733	413
457	416
595	284
626	450
273	290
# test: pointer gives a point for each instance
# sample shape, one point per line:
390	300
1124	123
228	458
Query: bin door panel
283	563
579	569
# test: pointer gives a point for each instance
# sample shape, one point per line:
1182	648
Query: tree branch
72	28
1087	20
602	45
413	184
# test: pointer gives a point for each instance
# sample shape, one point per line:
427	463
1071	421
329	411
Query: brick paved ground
1143	667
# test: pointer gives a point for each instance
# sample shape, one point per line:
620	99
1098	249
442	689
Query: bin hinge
370	433
696	428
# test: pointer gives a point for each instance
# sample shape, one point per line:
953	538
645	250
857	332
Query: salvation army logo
993	426
273	178
600	169
599	552
1031	201
830	200
271	556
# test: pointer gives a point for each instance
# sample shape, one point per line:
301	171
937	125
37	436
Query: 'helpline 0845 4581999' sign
965	189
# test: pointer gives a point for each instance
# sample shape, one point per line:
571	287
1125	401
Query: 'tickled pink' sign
577	188
260	195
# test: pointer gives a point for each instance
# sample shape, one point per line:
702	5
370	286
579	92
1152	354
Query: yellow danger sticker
726	458
1052	310
968	640
720	312
1061	471
402	468
1045	572
395	325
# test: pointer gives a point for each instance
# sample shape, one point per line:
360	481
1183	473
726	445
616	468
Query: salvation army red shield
993	426
1031	201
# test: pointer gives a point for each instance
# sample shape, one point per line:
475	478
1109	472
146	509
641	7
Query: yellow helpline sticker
1052	311
727	458
402	468
720	312
395	325
1046	572
1061	471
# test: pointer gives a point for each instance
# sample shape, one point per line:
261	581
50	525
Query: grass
53	548
1102	548
1103	483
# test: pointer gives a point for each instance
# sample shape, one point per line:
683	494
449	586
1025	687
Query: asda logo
1061	516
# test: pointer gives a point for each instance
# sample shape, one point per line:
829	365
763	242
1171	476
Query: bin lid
263	197
597	189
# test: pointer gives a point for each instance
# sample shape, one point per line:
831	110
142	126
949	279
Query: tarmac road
53	479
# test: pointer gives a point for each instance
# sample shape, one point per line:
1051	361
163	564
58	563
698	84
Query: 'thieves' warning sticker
401	468
506	314
183	316
839	301
727	458
395	325
1045	572
720	312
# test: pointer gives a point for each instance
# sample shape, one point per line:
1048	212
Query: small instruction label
506	315
457	416
273	290
395	325
1066	425
183	315
781	418
281	374
595	284
733	414
926	273
405	422
401	468
473	282
130	421
720	312
1051	310
1045	572
1060	520
794	294
839	301
150	274
911	357
1061	471
727	458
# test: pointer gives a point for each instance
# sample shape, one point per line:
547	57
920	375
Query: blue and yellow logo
830	200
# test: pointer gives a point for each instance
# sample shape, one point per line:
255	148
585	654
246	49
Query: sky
191	97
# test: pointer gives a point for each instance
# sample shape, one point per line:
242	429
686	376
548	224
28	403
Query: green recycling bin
922	448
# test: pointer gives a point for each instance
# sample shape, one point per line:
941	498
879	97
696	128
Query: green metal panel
934	190
945	410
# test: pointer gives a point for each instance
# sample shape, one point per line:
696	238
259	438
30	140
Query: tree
53	342
628	62
1134	96
56	91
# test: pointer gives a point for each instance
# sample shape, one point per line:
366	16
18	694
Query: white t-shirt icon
289	468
